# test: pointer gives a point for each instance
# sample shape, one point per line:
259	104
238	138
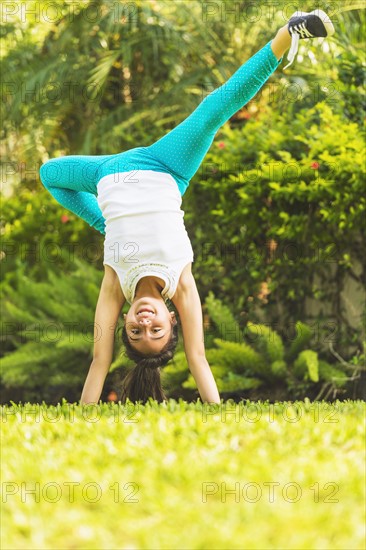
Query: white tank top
145	232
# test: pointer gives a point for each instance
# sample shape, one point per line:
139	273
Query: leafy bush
307	365
43	235
48	330
283	198
263	361
268	342
48	337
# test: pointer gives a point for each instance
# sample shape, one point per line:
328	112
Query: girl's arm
188	304
109	306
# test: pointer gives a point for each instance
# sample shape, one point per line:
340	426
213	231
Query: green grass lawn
184	476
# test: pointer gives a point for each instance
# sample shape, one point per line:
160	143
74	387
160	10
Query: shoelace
296	32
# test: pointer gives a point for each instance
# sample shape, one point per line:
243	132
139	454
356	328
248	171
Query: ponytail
143	381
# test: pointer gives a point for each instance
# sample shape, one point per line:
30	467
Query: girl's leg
72	181
183	148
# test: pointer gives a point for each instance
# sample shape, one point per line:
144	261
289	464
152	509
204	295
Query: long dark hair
143	381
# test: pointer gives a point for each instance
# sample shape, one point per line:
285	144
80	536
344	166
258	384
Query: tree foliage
276	213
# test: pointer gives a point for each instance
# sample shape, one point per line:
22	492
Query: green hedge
255	356
277	215
47	338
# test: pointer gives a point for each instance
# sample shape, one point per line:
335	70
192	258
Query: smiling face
149	325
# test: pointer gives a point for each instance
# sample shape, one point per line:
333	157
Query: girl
134	199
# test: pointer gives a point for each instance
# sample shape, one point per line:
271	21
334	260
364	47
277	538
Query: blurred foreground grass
184	476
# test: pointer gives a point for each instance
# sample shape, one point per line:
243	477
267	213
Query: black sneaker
307	25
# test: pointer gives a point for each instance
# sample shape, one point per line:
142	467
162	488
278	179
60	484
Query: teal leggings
72	180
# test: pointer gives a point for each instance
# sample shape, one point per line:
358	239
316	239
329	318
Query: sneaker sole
326	21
